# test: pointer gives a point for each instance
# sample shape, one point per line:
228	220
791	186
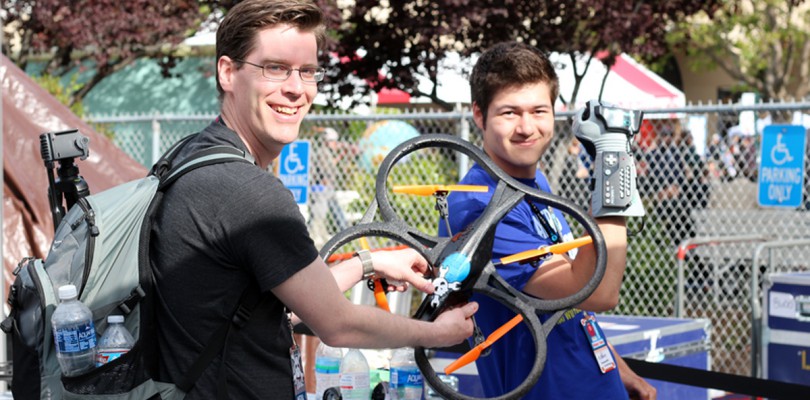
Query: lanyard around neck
550	231
546	224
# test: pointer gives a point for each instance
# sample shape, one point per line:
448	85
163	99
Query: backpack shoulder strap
168	174
208	156
164	163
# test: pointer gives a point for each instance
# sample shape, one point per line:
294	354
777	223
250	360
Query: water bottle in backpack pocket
74	333
115	342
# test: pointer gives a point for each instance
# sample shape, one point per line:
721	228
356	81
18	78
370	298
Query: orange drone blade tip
476	188
465	359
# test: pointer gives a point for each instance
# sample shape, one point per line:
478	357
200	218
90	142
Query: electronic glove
606	132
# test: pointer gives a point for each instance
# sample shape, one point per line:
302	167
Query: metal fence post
463	133
692	243
756	311
155	139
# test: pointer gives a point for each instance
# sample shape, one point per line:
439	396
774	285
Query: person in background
513	88
232	228
666	175
576	172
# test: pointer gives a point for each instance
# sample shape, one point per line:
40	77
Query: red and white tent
629	84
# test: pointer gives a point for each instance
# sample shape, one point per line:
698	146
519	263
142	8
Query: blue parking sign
293	169
781	168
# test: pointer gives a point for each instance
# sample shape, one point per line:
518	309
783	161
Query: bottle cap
113	319
67	292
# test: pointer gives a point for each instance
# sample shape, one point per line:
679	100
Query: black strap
718	380
553	235
302	329
217	343
164	163
550	231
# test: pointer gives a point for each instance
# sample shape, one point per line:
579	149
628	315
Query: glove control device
606	132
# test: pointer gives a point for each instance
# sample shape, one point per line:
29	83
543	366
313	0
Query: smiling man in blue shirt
514	87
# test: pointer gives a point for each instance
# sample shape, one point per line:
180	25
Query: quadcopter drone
462	264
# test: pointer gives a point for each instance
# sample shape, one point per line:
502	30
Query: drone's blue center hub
457	266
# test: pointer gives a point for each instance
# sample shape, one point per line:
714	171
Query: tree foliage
763	44
98	36
409	38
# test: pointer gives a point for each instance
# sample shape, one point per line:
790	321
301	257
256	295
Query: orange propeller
429	190
558	248
476	351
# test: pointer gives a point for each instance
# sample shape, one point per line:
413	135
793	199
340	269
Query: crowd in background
733	156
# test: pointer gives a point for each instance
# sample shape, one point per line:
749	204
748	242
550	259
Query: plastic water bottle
355	376
406	380
327	368
115	341
73	333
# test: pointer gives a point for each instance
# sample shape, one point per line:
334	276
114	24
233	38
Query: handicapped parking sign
781	168
293	169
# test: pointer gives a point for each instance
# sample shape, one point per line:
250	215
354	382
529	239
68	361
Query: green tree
62	92
762	44
101	37
411	38
96	37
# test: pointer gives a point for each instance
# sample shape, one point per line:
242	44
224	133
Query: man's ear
225	72
478	116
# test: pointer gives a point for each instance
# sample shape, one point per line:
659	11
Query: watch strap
365	259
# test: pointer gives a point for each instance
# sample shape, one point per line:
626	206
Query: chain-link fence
697	170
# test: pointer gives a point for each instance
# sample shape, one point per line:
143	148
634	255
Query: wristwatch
365	259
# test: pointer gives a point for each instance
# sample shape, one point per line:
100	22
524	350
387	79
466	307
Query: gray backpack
102	247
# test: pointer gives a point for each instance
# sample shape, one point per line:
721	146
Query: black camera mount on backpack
69	187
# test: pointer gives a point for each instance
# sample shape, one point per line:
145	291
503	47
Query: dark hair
510	64
236	35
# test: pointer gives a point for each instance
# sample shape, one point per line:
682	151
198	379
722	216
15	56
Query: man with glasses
231	227
280	72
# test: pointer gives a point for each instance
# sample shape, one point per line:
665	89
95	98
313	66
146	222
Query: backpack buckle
130	302
241	316
20	264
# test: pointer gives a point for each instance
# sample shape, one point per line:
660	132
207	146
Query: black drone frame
475	244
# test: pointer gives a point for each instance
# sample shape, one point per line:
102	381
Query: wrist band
365	259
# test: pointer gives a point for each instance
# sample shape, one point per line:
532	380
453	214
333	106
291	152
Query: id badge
298	373
598	344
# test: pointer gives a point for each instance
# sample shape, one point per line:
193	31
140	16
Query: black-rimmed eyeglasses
280	72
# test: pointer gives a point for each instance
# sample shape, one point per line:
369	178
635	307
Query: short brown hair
236	35
510	64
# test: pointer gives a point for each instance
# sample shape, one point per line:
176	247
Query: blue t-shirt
571	370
